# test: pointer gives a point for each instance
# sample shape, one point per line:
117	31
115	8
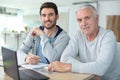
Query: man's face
87	21
48	18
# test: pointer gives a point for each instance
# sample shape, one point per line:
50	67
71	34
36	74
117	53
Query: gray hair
87	5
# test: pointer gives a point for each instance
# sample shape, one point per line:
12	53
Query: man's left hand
59	67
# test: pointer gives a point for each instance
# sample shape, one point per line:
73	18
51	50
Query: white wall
108	8
63	21
31	20
73	24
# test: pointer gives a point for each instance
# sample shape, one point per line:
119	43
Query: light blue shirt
43	59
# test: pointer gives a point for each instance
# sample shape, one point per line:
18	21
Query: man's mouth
48	22
85	27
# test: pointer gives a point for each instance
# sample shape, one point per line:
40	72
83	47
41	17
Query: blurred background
18	17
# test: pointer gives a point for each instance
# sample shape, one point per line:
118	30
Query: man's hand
36	32
32	59
59	67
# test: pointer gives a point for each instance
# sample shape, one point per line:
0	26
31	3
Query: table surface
54	76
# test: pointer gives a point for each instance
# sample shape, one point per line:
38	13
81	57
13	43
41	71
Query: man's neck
93	36
50	32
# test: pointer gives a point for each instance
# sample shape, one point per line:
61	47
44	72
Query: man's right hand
32	59
36	32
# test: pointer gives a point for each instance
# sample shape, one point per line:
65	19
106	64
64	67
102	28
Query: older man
95	46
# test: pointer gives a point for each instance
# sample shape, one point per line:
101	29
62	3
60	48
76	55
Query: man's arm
24	48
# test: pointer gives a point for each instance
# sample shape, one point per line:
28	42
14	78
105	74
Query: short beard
50	26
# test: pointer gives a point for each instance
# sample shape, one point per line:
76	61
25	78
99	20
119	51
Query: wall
31	20
108	8
73	25
63	21
8	24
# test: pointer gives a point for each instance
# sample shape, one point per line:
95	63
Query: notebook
10	65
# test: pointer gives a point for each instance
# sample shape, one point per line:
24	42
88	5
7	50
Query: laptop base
31	75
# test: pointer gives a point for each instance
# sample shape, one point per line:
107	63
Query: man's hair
87	5
49	5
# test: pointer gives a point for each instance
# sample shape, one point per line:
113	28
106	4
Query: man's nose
83	22
47	17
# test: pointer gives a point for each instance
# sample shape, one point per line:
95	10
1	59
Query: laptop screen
11	67
10	62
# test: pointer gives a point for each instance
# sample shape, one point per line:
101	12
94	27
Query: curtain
113	23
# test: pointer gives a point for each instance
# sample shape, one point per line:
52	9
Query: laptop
11	68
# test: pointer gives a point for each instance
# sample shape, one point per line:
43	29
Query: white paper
29	66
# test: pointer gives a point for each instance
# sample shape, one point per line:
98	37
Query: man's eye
43	15
79	20
51	14
87	17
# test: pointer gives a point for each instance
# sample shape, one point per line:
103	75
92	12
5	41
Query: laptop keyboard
29	74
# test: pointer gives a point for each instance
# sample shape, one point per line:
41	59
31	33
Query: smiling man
95	46
48	41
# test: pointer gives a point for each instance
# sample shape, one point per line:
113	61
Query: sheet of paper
29	66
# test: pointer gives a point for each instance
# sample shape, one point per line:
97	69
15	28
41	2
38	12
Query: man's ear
97	17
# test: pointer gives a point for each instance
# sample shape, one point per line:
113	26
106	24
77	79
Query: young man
95	46
47	41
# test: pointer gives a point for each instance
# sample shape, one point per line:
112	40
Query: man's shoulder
63	32
106	34
105	31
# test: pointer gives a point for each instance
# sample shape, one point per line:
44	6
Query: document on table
30	66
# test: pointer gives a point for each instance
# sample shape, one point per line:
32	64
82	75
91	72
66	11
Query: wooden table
54	76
